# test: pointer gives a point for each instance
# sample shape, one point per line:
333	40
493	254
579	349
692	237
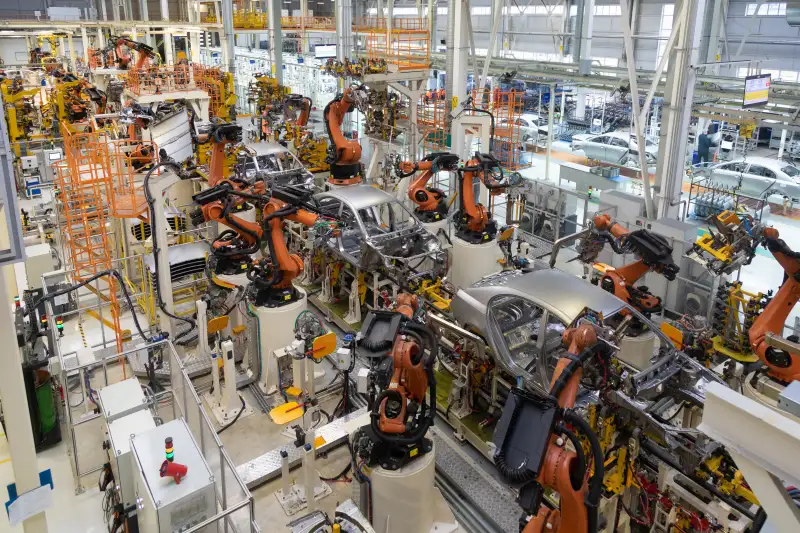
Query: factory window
789	76
667	12
482	10
441	11
396	11
770	9
606	61
534	10
599	11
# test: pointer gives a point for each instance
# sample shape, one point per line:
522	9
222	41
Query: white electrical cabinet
122	399
164	506
119	450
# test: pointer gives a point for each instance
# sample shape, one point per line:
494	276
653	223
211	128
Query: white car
759	177
616	147
529	128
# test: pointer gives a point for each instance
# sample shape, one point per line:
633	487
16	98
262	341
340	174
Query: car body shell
378	231
615	147
756	176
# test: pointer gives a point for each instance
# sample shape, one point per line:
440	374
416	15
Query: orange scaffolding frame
164	79
406	47
507	108
128	162
84	188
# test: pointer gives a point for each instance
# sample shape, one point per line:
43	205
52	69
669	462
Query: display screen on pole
756	90
325	50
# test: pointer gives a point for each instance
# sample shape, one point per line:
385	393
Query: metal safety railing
235	505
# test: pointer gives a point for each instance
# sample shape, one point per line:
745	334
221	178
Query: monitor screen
325	50
54	156
756	90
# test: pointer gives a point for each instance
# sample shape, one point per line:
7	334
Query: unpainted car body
378	231
616	147
276	163
757	176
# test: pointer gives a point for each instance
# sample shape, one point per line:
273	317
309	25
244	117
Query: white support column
343	10
713	54
458	74
169	57
550	128
101	38
115	9
303	17
276	39
17	420
104	9
497	17
144	10
678	96
637	122
71	44
585	23
782	146
85	42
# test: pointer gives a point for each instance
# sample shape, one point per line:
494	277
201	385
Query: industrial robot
653	251
394	445
293	122
275	301
530	446
430	201
145	53
780	355
475	251
344	155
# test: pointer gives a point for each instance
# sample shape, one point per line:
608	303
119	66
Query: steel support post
17	418
550	128
228	38
497	17
344	34
168	54
303	35
637	122
583	50
104	9
678	96
85	42
457	75
275	39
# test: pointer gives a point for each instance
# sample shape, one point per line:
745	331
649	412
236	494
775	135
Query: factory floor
256	434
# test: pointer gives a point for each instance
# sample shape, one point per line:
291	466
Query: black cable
151	203
340	474
110	272
232	422
592	499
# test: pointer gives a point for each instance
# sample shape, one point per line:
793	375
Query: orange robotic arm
289	265
431	205
782	357
474	223
557	468
654	252
344	155
305	104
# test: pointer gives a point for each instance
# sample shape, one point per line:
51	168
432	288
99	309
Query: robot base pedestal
225	416
471	262
275	330
406	499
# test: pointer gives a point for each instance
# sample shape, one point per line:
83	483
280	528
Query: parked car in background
759	177
616	147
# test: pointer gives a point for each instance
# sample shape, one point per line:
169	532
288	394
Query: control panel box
119	450
122	399
162	504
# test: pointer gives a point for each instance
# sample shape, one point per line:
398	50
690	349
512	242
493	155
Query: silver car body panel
562	294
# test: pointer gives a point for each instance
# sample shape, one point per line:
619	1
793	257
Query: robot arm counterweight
781	356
